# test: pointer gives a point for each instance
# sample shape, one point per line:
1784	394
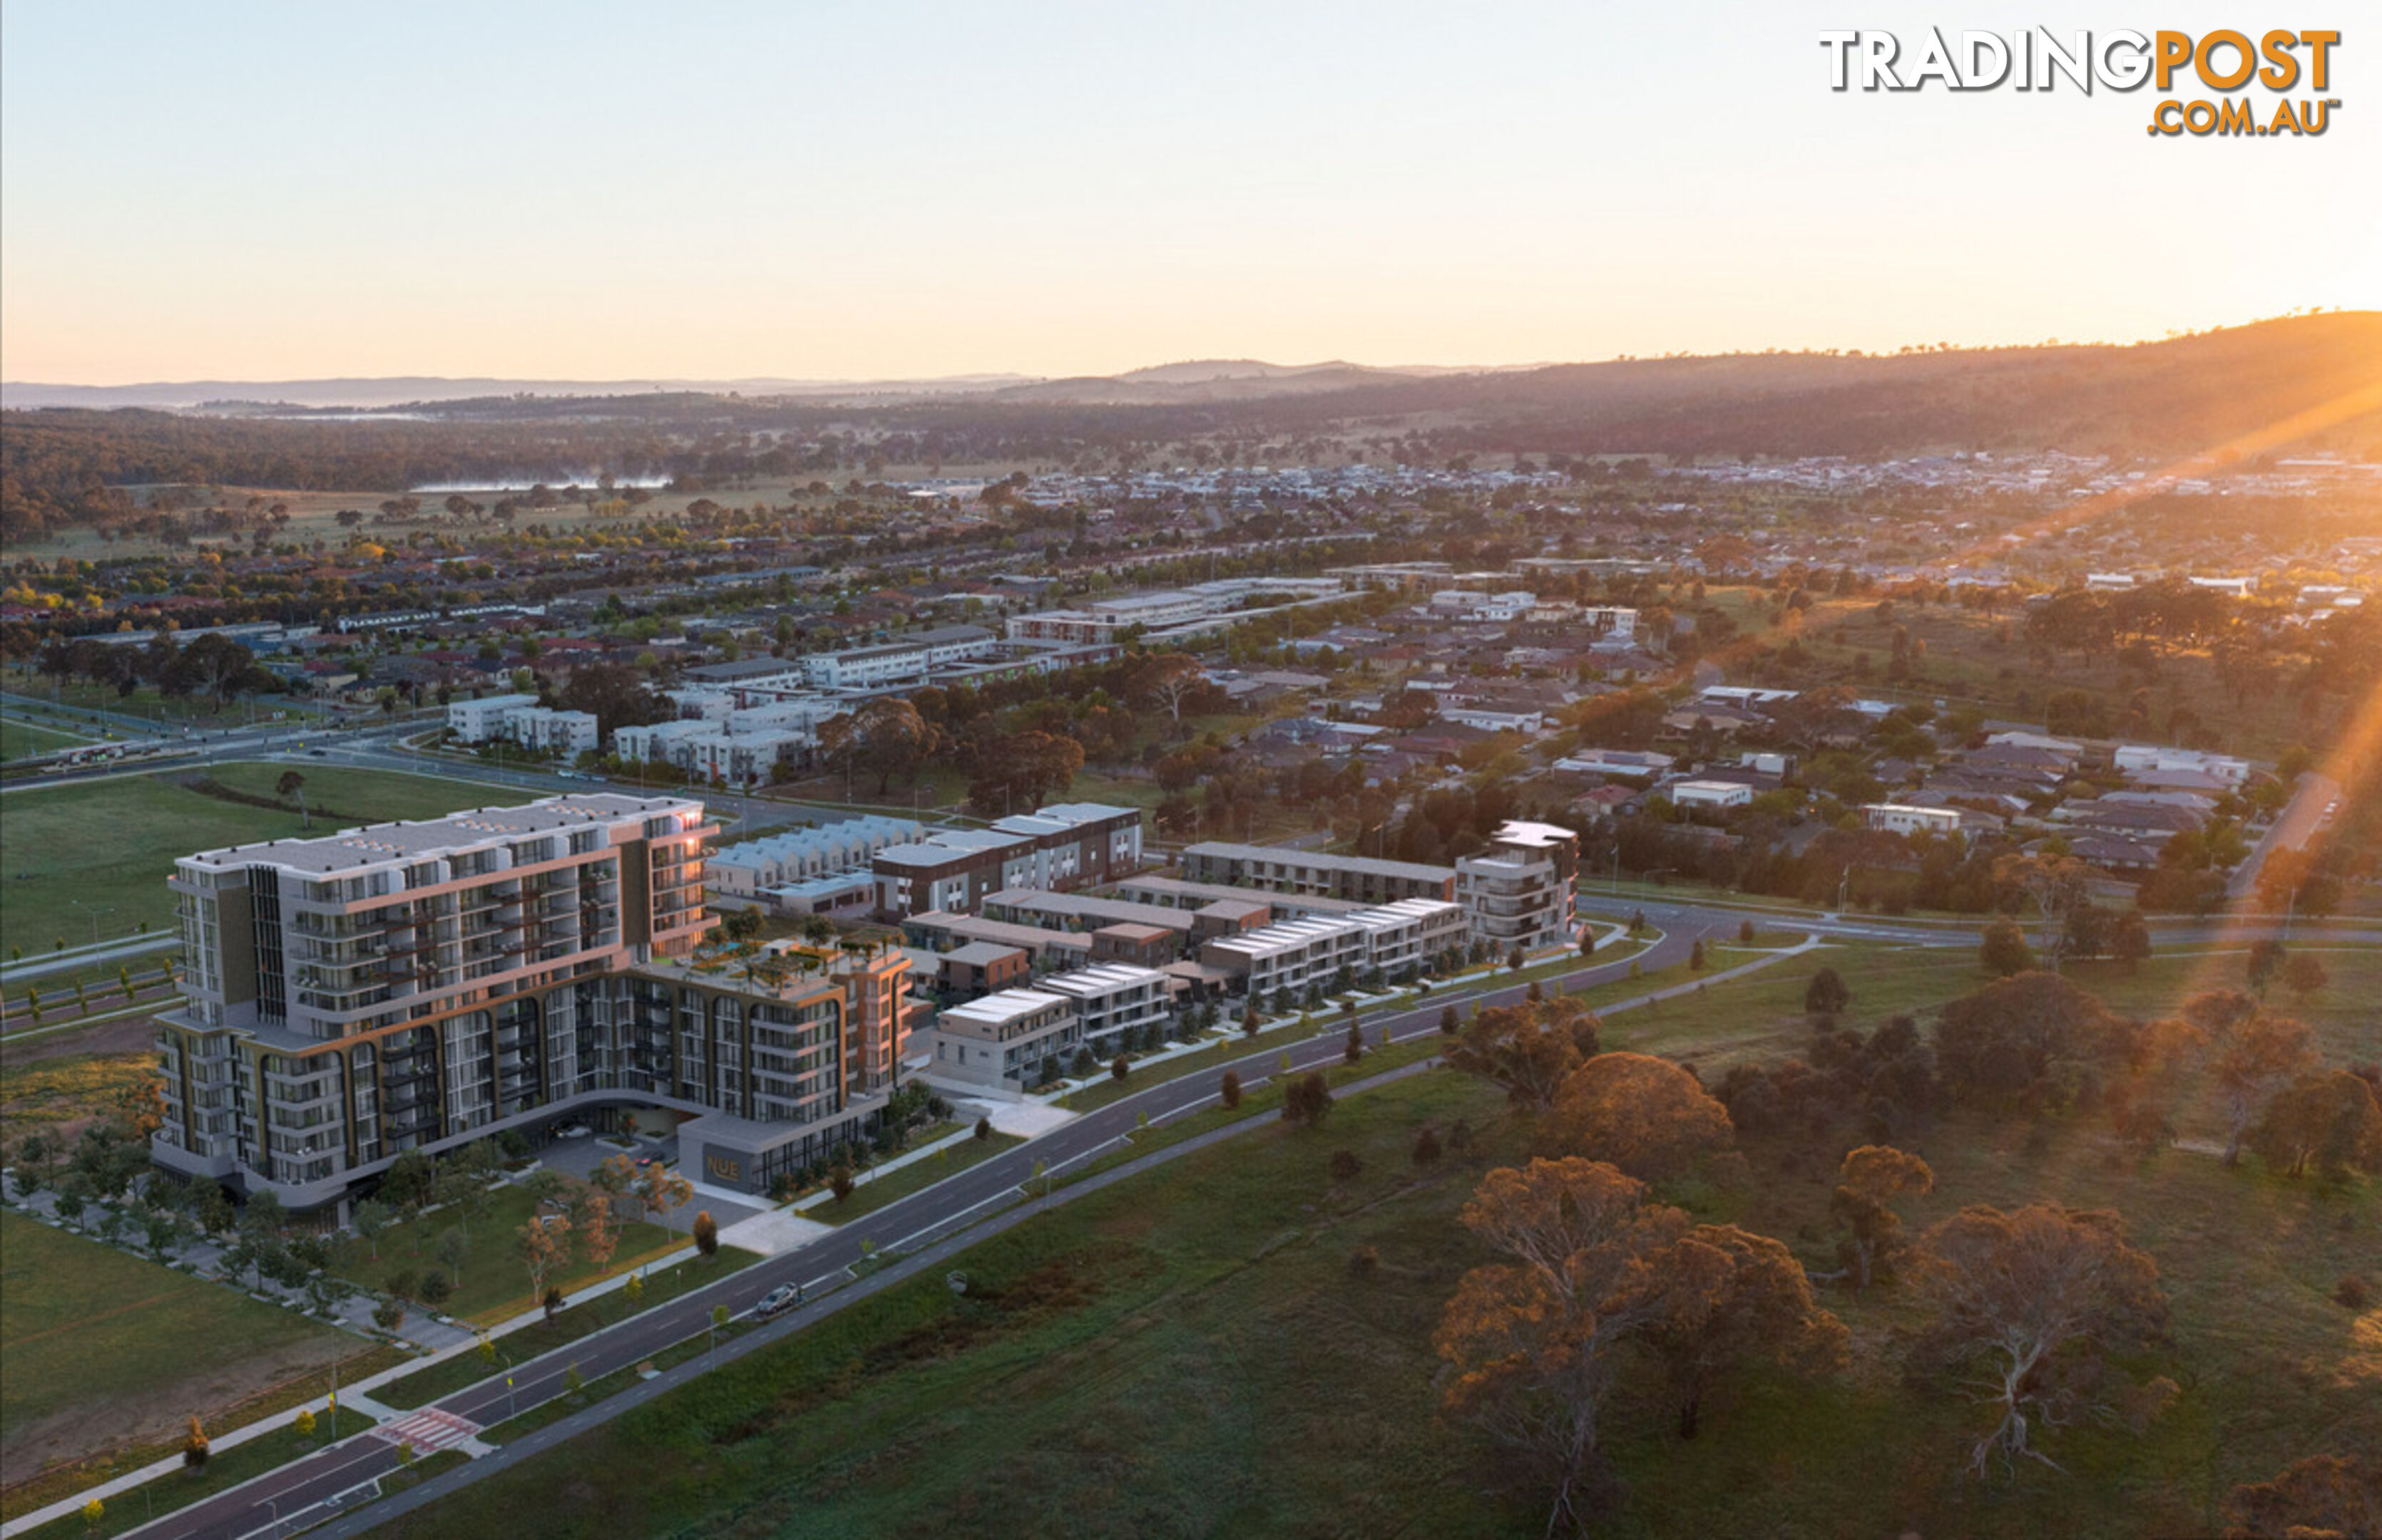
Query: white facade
478	721
568	733
745	869
911	658
1710	794
1901	818
1115	1002
1292	954
2134	759
1614	761
1003	1038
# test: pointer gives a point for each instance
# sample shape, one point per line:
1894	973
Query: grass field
24	740
101	1346
1190	1352
495	1285
109	845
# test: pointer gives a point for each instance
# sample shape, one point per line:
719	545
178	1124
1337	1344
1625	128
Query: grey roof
1367	865
377	844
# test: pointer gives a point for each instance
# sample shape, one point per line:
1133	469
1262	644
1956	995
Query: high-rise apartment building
419	985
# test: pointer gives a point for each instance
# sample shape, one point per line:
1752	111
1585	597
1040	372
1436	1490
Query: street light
94	914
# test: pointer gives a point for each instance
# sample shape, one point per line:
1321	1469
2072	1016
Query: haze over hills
2300	384
2187	391
1200	379
381	392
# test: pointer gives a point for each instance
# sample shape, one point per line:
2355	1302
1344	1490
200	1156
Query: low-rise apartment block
1276	869
1004	1039
750	867
1521	891
1062	845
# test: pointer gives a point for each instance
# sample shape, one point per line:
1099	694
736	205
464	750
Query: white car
573	1131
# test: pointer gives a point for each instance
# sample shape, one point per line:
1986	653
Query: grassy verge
604	1385
448	1376
875	1193
129	1510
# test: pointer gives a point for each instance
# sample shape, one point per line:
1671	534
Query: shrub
2352	1292
1345	1166
707	1234
1426	1147
1827	994
436	1289
1119	1069
1230	1090
1364	1261
840	1182
194	1448
984	1128
1307	1100
1449	1022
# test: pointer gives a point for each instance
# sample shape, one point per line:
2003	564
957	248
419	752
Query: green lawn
24	740
101	1345
495	1286
110	845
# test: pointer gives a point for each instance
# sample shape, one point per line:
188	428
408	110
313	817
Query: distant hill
2176	396
1220	380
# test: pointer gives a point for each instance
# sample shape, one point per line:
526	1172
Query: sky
536	189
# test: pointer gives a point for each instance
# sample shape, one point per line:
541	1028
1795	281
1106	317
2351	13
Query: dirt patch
132	1034
160	1415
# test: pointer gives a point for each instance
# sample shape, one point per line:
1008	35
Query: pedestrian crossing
428	1431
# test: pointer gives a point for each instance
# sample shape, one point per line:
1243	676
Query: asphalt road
937	1214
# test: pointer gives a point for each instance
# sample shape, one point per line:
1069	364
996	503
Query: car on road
777	1300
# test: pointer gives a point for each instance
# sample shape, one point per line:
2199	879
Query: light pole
94	914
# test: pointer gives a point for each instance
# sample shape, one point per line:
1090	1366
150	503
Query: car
573	1131
777	1300
316	752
